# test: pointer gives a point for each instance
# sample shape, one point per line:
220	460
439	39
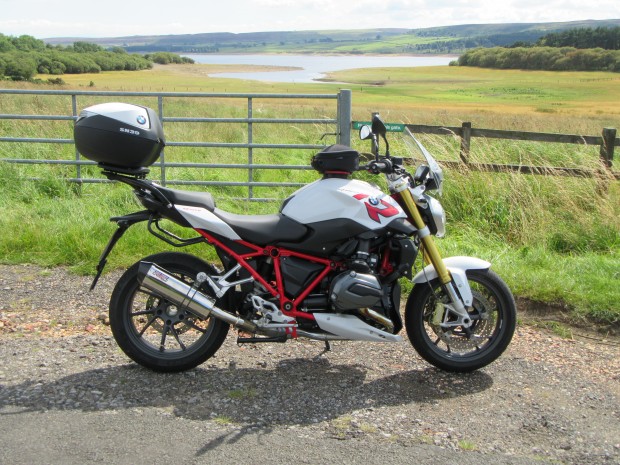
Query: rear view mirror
365	132
378	127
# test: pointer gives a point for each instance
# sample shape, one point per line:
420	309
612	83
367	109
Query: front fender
457	266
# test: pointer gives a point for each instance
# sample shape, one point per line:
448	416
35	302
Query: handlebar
429	175
377	167
386	166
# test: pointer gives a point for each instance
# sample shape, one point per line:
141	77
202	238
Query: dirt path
68	395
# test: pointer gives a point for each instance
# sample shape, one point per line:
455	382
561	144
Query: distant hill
446	39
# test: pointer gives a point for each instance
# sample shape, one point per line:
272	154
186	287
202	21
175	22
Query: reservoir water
313	67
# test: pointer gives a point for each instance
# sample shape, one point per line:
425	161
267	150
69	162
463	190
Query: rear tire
493	314
154	332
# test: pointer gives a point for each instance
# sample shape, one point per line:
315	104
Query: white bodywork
329	199
352	328
201	218
457	266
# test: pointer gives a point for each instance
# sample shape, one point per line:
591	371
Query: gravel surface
69	395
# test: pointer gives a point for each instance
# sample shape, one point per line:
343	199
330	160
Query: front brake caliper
438	314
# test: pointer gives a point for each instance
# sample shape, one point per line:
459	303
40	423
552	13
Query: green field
555	239
421	95
393	44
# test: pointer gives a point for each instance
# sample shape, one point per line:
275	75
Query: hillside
448	39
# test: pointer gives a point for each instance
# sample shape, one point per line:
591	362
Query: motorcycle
326	267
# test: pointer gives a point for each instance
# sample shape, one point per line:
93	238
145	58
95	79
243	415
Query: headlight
439	216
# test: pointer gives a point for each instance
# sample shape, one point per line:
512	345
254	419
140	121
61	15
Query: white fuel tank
335	198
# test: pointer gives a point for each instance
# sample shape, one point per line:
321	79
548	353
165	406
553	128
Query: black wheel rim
486	313
163	329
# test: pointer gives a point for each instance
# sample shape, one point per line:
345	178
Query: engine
365	282
351	290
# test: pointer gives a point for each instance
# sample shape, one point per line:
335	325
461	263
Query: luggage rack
139	173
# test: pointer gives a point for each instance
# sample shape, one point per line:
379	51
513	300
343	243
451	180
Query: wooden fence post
607	147
465	142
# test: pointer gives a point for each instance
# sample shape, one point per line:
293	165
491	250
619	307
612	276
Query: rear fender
124	223
457	266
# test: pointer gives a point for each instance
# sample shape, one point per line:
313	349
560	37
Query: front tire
154	332
493	316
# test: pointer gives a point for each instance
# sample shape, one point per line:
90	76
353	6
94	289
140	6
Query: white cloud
158	17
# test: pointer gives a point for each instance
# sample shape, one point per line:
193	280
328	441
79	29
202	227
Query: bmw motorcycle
328	266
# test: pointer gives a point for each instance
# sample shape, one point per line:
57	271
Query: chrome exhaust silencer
159	281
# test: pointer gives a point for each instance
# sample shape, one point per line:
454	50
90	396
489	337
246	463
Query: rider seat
263	229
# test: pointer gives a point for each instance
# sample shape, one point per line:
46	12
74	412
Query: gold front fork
427	240
457	306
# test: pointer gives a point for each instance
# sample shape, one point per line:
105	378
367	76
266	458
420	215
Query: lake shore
295	68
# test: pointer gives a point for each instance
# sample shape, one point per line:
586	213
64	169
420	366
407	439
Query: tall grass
553	238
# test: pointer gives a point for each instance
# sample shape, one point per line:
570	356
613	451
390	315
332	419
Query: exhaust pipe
158	280
376	316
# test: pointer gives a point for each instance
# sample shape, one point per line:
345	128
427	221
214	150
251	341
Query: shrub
543	58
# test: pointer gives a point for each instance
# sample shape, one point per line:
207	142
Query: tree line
21	58
543	58
583	49
607	38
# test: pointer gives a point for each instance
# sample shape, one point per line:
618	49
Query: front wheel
156	333
460	349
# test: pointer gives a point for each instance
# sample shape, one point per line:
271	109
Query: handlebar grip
377	167
381	166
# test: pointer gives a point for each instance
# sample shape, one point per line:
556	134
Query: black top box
119	135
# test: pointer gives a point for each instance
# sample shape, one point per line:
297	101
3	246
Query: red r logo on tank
374	211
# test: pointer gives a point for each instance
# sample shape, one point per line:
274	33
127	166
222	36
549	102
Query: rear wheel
156	333
460	349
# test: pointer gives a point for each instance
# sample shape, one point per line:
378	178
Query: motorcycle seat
189	198
263	229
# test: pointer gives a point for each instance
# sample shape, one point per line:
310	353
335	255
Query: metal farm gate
340	122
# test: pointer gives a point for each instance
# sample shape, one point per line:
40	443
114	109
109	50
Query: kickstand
328	347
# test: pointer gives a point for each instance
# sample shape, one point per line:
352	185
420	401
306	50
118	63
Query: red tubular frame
275	253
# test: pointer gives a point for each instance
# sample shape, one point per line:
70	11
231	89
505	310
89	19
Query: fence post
607	146
344	117
465	142
250	151
78	167
162	158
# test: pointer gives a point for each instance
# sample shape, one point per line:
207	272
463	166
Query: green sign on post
391	127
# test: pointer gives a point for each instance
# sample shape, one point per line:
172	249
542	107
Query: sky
115	18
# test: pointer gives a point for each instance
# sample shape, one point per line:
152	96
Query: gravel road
69	395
